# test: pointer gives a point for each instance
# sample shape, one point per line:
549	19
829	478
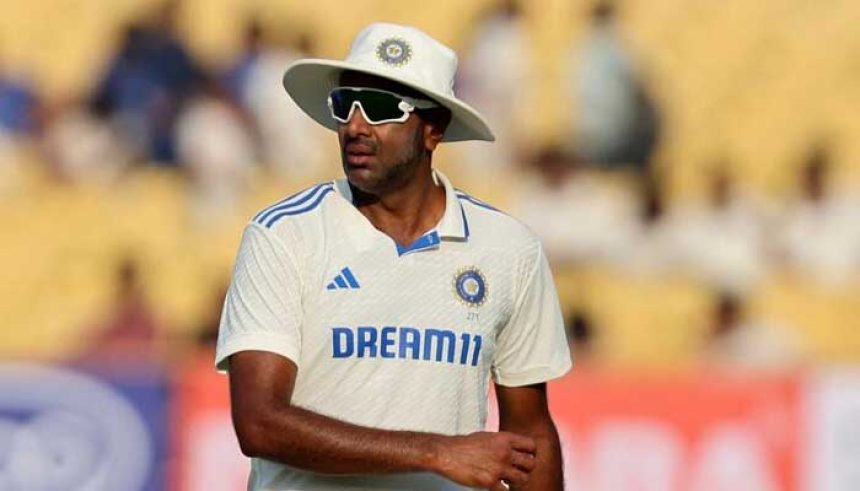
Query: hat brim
309	82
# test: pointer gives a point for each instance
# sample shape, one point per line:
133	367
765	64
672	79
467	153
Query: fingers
515	476
501	486
517	472
486	459
522	443
523	461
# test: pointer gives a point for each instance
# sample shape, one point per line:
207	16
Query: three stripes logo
344	280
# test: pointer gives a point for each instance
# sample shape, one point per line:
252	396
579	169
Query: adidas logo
344	279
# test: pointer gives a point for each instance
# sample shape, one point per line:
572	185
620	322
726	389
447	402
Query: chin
362	183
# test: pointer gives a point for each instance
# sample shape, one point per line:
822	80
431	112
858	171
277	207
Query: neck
405	213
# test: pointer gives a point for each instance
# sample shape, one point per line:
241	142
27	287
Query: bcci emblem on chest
471	286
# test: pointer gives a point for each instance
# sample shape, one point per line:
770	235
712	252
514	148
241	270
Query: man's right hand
486	459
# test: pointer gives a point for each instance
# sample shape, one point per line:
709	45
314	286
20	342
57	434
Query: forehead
359	79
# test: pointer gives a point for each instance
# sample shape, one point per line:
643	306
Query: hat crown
402	54
405	52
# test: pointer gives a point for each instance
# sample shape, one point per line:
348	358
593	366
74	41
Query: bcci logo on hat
394	51
471	286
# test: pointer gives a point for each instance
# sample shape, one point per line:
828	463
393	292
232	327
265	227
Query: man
366	314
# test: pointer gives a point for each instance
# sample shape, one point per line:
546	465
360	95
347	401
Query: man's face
380	158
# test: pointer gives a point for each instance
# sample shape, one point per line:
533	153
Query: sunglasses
377	106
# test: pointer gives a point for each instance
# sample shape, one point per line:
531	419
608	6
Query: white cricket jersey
391	337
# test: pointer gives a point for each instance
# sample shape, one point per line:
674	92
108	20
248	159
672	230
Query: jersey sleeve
532	346
262	310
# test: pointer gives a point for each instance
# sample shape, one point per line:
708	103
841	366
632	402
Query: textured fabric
386	337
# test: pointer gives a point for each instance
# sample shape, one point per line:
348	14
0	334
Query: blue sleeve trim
297	211
289	202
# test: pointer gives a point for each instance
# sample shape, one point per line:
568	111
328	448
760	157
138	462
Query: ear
432	136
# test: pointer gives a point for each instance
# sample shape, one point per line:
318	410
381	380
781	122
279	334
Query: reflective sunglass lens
378	106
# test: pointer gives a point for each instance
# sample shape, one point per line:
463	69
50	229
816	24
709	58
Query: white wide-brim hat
403	54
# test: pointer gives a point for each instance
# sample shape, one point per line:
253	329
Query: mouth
358	155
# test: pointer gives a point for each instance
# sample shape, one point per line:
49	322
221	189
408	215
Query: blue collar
452	226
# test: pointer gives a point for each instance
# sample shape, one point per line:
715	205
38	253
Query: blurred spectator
723	241
821	231
494	78
216	146
617	122
580	336
146	83
237	73
81	146
647	248
734	341
289	140
18	106
19	123
207	334
578	217
130	332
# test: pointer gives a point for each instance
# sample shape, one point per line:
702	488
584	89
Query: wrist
429	452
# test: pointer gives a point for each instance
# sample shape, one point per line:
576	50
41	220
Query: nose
357	125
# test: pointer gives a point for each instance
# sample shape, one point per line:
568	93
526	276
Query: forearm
310	441
547	474
269	426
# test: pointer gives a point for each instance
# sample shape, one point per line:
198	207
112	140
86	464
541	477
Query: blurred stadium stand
755	86
755	83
